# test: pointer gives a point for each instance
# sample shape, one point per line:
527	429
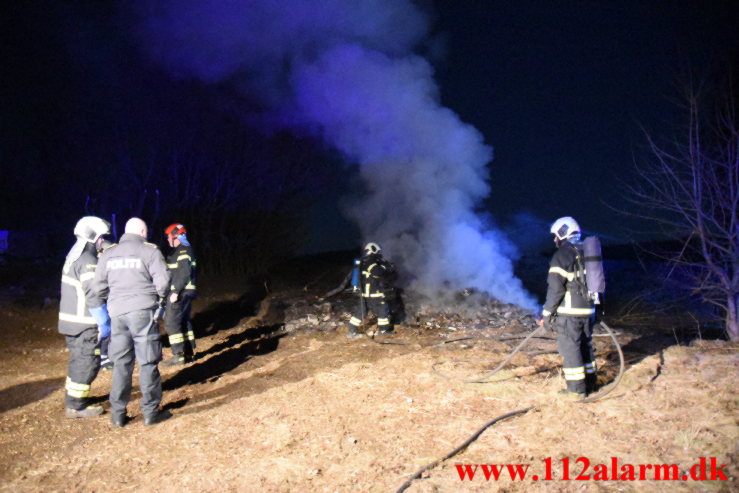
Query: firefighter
132	276
181	264
569	310
83	319
375	282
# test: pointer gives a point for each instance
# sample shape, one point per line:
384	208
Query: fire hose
604	392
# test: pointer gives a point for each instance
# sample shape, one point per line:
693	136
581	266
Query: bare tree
689	186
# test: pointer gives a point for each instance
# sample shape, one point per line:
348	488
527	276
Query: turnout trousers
178	326
378	306
83	367
135	337
574	341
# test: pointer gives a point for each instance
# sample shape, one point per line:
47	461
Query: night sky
558	89
561	89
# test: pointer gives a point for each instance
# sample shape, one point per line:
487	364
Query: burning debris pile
467	310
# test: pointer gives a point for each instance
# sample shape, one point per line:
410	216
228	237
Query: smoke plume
346	71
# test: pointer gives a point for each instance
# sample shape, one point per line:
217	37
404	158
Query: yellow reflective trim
190	285
383	321
545	313
375	295
574	373
191	335
575	311
70	385
80	299
184	257
355	321
79	394
67	317
71	281
558	270
171	266
86	276
97	351
369	270
176	338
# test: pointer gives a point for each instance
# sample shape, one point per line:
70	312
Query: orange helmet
175	230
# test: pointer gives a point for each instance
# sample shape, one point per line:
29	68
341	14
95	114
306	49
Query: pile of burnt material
458	311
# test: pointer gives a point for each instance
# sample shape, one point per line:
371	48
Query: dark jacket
131	275
182	264
377	276
566	294
77	294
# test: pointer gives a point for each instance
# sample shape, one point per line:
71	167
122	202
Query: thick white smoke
345	69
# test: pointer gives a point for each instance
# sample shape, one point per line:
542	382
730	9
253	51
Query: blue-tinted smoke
346	71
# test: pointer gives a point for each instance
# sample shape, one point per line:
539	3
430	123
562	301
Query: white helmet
372	248
564	227
90	228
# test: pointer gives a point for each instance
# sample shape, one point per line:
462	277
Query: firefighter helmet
564	227
90	228
174	230
372	248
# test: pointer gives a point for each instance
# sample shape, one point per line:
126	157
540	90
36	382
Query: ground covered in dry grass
309	410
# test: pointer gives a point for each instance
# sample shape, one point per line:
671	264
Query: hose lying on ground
607	390
481	379
461	447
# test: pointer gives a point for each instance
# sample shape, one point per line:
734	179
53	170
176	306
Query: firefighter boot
87	412
353	334
386	329
570	395
176	360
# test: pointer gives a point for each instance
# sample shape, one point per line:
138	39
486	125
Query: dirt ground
310	410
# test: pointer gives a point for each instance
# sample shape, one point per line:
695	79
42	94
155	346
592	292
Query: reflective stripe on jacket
564	293
182	265
76	294
374	275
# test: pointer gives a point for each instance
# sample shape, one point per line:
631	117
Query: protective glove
102	319
549	323
159	310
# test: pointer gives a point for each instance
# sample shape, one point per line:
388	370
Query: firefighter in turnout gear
375	281
83	318
181	264
132	276
568	308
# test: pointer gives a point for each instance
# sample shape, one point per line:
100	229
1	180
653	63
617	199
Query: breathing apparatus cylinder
355	274
594	274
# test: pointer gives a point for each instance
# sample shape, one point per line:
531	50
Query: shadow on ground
241	347
26	393
225	315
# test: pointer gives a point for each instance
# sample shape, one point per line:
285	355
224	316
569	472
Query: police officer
569	310
133	277
83	319
181	264
376	276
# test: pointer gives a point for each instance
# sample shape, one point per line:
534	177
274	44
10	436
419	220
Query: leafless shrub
689	188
